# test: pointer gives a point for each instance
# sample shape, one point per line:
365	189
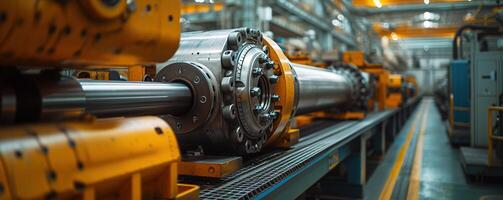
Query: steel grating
250	181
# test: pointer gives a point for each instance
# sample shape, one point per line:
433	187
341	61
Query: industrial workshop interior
251	99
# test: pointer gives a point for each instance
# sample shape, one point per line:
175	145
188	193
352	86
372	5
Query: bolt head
264	117
255	91
257	71
257	108
269	64
274	115
275	98
262	59
273	79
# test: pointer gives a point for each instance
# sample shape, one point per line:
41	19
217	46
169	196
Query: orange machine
412	89
395	97
380	74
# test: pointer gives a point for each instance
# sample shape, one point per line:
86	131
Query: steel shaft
320	89
119	98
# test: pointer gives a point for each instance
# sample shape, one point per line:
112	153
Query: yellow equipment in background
381	77
79	32
413	88
394	98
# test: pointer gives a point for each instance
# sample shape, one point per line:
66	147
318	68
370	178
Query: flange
202	83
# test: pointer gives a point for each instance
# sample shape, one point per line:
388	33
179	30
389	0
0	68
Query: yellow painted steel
285	88
410	79
395	97
116	158
354	57
88	32
192	8
407	31
377	70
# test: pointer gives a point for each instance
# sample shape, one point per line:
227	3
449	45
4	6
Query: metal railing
490	136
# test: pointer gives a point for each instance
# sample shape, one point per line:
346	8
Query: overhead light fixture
428	16
378	3
394	36
340	17
336	22
426	2
428	24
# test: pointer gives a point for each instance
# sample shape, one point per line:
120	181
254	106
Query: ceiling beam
423	7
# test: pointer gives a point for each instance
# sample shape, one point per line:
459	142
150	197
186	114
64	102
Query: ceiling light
426	2
340	17
336	22
427	24
394	36
378	3
428	16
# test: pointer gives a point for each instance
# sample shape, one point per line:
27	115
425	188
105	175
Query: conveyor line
276	169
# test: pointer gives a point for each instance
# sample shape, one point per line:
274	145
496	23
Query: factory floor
421	164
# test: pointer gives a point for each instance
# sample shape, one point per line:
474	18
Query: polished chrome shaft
120	98
320	89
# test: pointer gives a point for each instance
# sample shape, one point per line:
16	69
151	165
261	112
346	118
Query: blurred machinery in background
442	97
477	58
411	87
391	90
396	90
379	74
477	51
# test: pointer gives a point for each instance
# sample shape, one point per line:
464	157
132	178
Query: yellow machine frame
121	158
88	32
395	97
283	136
381	91
410	79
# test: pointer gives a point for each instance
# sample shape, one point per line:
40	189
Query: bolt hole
170	18
148	8
158	130
79	185
67	30
83	33
52	29
3	16
18	154
97	37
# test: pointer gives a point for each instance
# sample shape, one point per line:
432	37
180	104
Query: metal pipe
455	48
119	98
320	89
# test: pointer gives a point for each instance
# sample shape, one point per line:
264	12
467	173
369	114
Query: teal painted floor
441	175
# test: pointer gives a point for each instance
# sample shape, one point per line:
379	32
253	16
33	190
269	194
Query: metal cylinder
320	89
119	98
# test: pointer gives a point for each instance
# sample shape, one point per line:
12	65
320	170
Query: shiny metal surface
240	74
320	89
119	98
7	105
59	99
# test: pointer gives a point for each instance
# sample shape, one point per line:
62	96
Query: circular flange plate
202	83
